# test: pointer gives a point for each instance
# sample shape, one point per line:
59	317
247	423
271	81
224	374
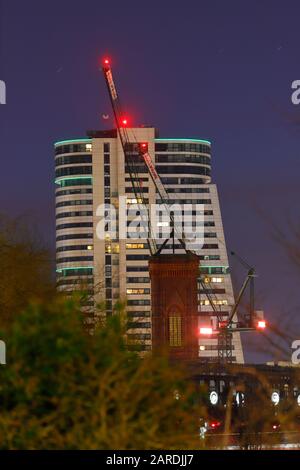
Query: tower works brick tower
174	304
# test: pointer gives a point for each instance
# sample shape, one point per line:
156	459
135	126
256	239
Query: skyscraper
91	173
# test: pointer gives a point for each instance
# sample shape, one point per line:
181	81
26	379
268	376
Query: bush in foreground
63	389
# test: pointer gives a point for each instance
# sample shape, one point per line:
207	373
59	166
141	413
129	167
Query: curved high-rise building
74	215
91	173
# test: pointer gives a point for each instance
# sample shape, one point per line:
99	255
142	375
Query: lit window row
137	291
208	279
73	148
109	248
134	201
215	302
74	248
136	246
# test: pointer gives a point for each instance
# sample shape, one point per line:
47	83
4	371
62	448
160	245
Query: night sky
217	70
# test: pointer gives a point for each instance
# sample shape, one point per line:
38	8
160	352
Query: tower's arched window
175	329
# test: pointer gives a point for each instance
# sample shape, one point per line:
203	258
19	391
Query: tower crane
224	329
254	321
142	148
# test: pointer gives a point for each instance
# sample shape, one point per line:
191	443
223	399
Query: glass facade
73	170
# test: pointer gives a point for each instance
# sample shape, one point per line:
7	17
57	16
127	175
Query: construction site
180	299
177	320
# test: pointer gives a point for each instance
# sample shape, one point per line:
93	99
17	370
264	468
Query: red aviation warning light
106	62
205	327
144	147
124	122
215	424
261	324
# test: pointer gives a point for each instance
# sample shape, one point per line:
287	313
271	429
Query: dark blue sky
210	69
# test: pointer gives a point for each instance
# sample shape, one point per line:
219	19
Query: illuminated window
134	201
175	330
90	247
217	279
88	147
111	247
163	224
137	291
215	302
135	246
208	279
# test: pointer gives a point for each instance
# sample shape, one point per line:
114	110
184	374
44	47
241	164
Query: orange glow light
206	330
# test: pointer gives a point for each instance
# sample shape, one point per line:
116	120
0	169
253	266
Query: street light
213	398
275	398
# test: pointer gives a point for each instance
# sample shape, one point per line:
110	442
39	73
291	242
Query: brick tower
174	304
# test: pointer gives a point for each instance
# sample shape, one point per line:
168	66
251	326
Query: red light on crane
261	324
106	61
215	424
206	330
144	147
124	122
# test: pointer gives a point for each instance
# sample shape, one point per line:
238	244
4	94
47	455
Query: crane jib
149	163
111	84
155	177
